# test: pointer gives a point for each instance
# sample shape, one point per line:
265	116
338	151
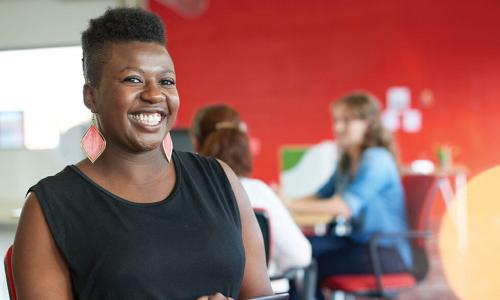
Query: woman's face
137	99
350	132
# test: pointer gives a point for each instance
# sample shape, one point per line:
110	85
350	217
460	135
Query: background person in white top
218	131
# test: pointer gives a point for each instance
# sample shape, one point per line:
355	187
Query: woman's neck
354	154
136	168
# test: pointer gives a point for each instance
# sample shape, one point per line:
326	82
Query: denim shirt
376	199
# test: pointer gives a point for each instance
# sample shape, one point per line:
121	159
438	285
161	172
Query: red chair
420	191
8	274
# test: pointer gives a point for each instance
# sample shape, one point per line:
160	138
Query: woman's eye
167	82
132	79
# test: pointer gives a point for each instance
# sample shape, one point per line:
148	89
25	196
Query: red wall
280	63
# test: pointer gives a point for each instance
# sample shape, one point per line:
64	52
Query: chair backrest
8	274
264	224
420	191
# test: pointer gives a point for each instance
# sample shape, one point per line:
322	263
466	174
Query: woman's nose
152	93
338	127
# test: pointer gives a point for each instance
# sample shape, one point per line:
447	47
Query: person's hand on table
340	207
217	296
333	206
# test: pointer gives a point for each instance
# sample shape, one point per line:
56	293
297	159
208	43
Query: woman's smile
148	121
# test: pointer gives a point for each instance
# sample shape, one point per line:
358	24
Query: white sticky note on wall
398	98
390	119
412	120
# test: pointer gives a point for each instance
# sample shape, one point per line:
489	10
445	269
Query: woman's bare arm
39	269
255	279
334	206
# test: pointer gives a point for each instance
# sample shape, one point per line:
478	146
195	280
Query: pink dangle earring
168	146
93	143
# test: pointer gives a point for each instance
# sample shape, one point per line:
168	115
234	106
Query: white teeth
147	119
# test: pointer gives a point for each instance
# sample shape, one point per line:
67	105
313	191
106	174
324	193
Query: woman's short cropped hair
116	26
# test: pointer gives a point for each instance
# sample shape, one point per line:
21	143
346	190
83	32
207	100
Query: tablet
283	296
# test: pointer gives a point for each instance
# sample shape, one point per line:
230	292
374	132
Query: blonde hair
365	106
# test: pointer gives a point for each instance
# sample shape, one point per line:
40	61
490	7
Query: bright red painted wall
280	63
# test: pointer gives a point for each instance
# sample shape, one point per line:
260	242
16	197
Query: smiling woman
135	70
136	220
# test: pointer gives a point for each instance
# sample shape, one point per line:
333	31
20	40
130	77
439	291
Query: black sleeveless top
186	246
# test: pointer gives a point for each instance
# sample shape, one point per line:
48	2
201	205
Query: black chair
263	220
304	278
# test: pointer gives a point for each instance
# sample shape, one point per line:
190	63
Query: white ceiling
44	23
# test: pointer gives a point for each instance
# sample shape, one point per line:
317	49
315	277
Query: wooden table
309	219
312	224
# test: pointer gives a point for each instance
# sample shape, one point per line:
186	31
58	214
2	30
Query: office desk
312	223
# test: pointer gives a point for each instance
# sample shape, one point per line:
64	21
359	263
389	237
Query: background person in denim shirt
366	185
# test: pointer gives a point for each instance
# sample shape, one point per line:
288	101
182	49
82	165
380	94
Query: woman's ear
89	97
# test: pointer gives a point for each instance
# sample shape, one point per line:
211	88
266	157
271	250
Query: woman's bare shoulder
39	269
